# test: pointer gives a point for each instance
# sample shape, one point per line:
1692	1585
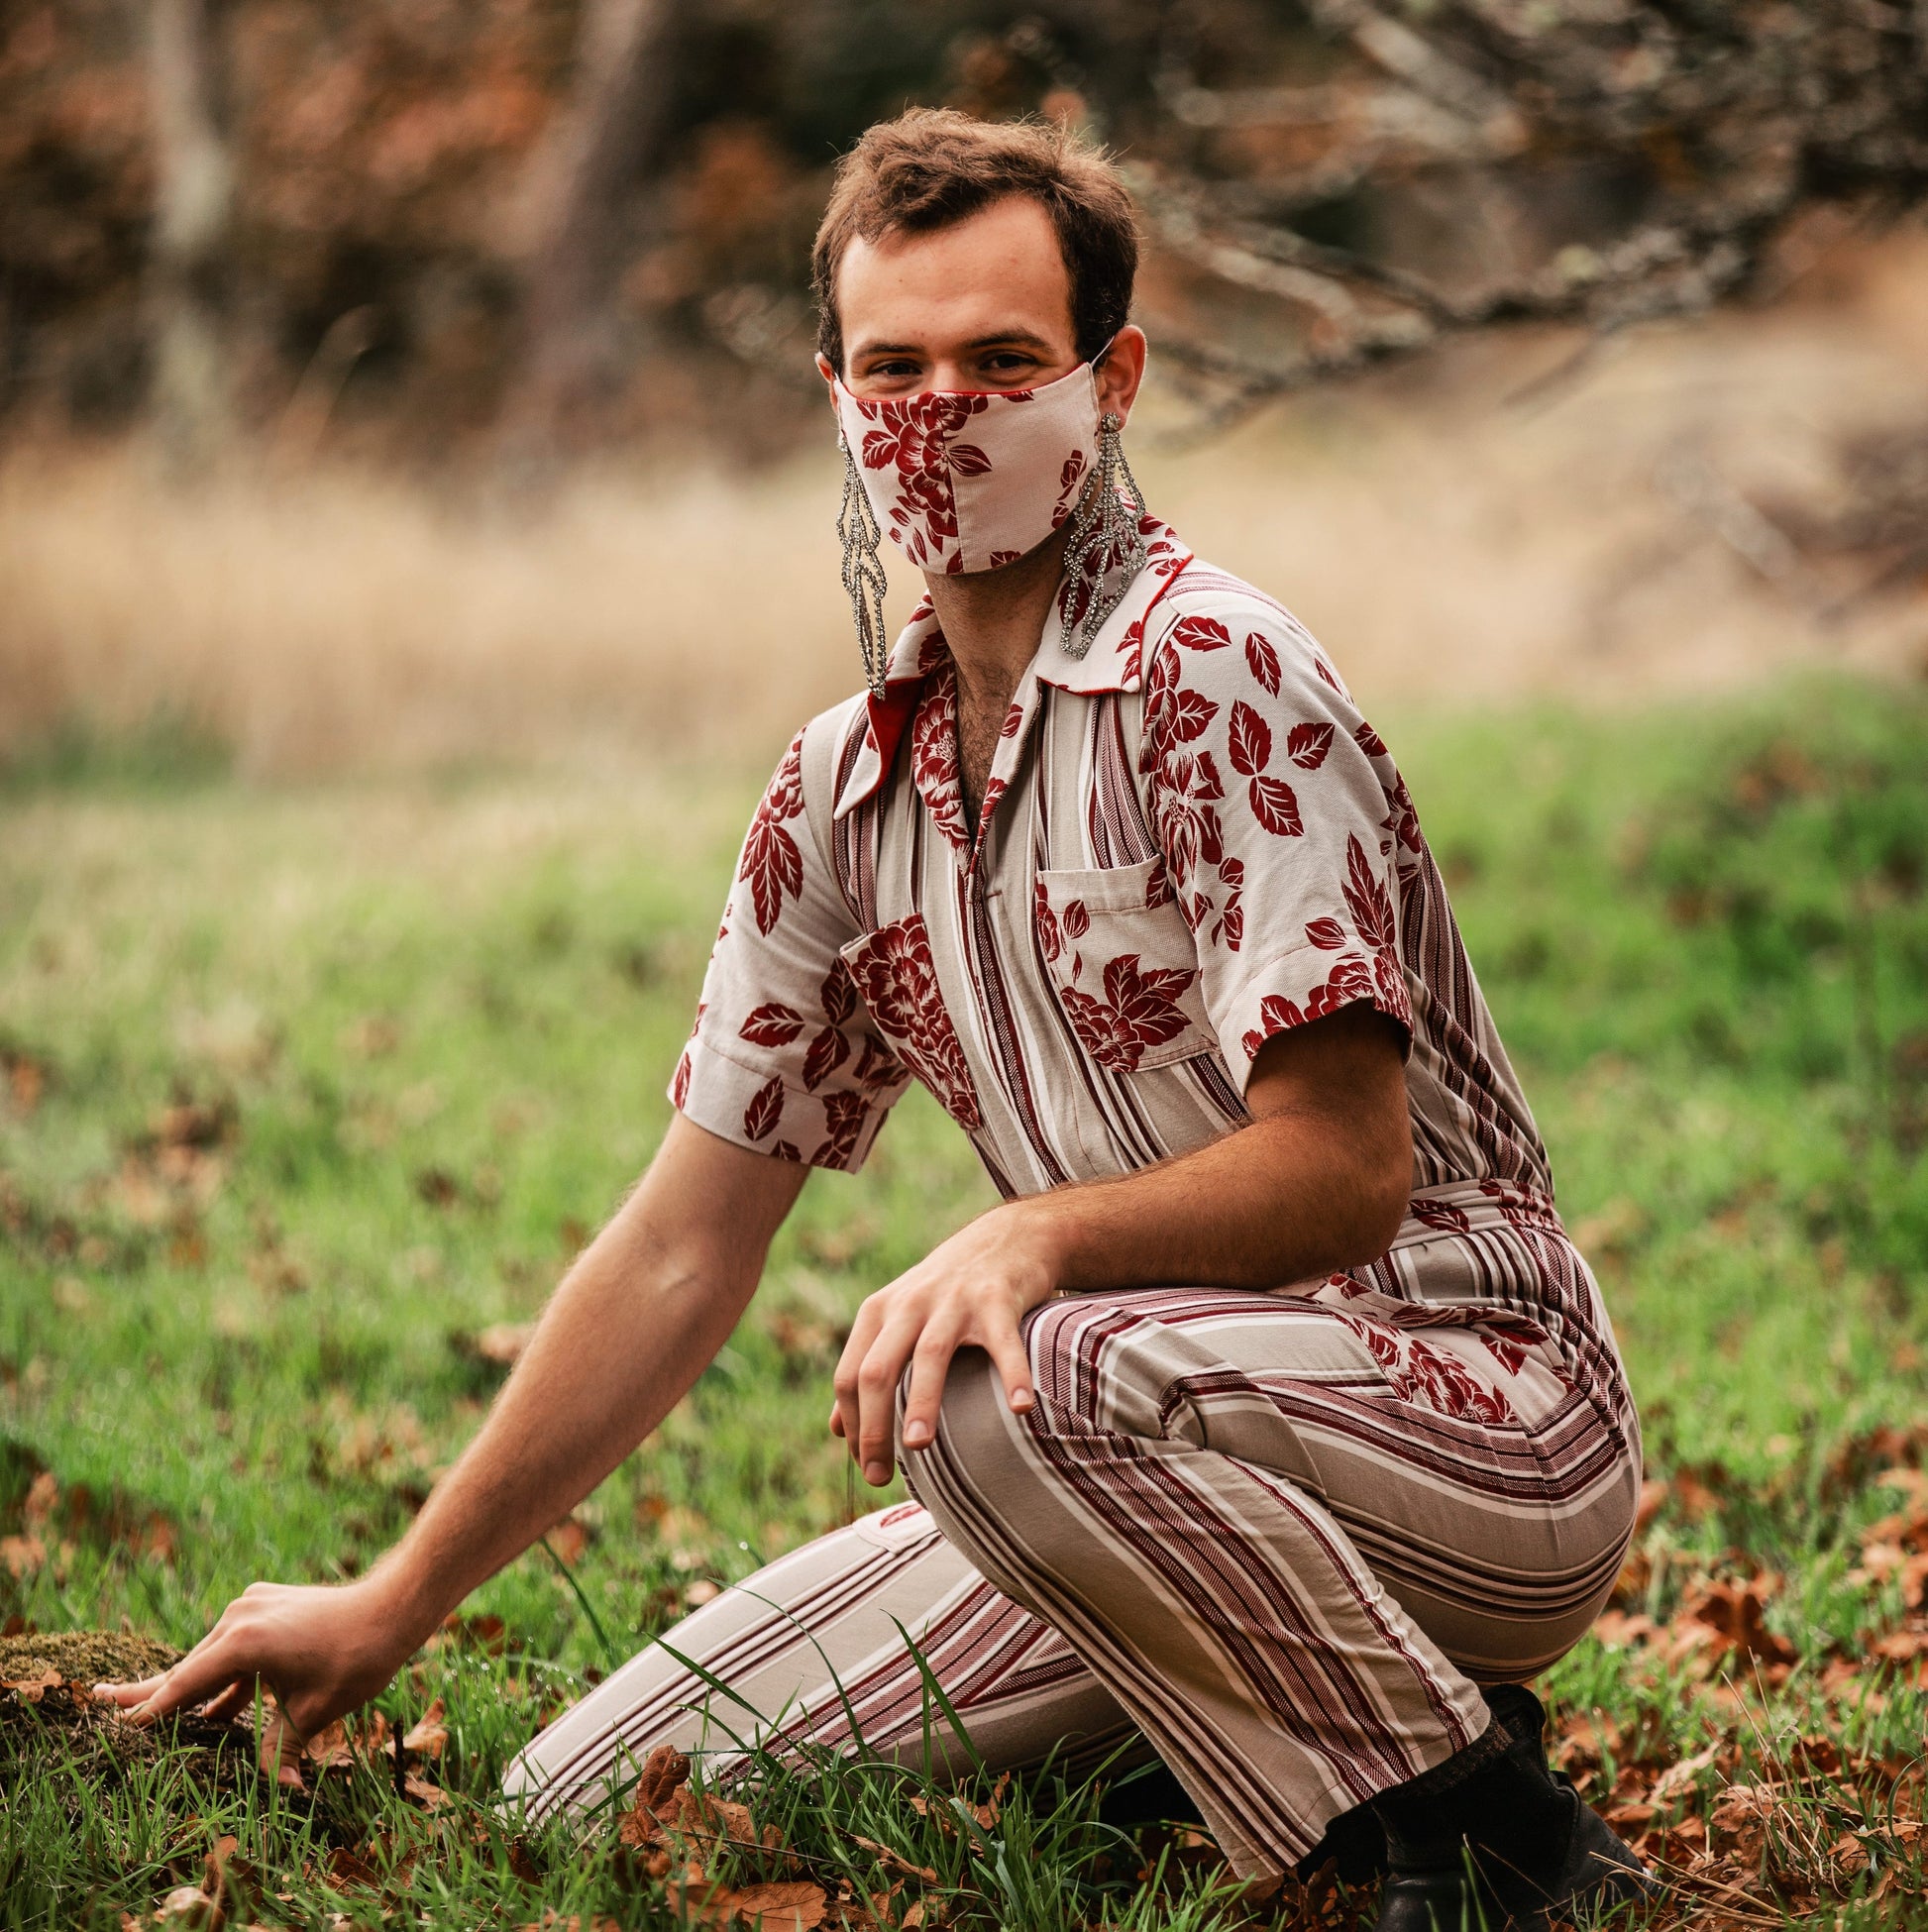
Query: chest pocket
1123	965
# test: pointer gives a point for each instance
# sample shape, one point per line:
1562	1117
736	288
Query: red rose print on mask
968	482
916	437
897	979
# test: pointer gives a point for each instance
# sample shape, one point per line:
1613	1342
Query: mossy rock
83	1658
46	1727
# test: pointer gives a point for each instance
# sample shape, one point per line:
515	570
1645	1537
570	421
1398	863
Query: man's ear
1121	370
827	370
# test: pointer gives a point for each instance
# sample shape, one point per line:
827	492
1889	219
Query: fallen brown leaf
893	1861
1733	1613
189	1906
488	1633
428	1736
1678	1779
665	1772
22	1556
784	1908
329	1748
570	1539
431	1797
346	1871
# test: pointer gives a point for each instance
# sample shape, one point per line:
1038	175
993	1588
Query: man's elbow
1385	1191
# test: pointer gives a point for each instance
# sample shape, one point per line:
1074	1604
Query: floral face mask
963	480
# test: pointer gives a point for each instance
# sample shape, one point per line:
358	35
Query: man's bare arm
1319	1181
633	1324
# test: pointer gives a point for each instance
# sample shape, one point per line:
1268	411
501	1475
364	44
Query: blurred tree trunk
191	272
587	184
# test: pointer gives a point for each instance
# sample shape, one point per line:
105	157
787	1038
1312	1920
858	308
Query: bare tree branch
1724	122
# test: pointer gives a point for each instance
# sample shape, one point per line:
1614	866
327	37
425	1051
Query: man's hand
321	1651
1319	1181
969	1292
632	1326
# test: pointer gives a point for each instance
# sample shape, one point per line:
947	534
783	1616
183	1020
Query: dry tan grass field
1519	515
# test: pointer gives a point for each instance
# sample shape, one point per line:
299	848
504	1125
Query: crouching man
1272	1424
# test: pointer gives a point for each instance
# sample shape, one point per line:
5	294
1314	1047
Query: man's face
983	304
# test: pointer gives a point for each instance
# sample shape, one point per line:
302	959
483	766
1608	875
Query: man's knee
979	1434
975	1426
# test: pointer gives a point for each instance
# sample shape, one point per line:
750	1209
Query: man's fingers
863	1332
876	1380
279	1748
193	1680
928	1367
229	1703
126	1695
1005	1344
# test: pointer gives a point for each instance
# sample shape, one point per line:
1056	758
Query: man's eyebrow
992	341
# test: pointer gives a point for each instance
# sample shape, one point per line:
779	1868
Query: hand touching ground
321	1651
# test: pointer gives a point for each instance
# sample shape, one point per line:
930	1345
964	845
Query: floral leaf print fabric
894	972
964	482
1189	842
784	1059
772	865
1430	1374
1140	1009
1279	834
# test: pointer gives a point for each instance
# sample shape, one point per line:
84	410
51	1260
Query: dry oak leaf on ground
665	1807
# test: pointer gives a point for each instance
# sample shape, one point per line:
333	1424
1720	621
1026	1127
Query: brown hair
933	166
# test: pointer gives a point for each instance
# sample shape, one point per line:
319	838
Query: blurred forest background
415	546
398	383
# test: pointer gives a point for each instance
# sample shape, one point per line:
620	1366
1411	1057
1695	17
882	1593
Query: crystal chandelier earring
864	581
1106	549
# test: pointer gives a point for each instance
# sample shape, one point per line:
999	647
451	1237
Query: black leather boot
1492	1839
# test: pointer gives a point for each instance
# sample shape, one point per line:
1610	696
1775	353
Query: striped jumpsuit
1277	1538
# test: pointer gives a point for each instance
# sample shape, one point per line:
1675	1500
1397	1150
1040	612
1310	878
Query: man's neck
992	620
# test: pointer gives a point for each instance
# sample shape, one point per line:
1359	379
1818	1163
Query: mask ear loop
1106	549
864	581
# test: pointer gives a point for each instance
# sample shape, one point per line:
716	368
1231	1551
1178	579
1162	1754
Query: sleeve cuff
754	1108
1304	984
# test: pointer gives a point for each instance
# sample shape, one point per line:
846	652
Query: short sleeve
782	1059
1285	828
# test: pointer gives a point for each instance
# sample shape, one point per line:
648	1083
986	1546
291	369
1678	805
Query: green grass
414	1040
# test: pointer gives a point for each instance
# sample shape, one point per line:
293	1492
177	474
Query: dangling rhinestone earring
1106	549
864	581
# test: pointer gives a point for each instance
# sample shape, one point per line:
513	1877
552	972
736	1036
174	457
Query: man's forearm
1318	1184
634	1322
611	1357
